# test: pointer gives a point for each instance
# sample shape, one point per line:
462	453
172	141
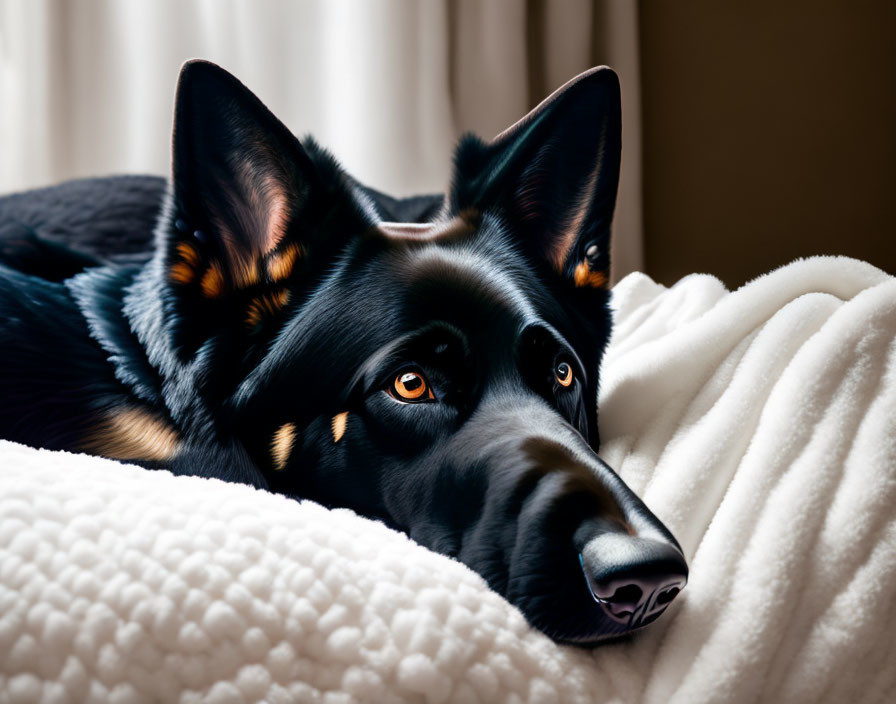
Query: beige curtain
86	86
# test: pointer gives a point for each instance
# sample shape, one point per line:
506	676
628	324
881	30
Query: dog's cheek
404	430
339	464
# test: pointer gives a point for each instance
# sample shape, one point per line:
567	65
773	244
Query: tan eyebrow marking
281	445
338	425
585	277
133	434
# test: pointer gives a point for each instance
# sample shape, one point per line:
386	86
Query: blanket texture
759	425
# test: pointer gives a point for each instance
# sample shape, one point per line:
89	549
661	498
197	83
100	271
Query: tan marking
133	434
585	277
281	445
454	229
338	425
265	305
184	270
188	254
246	274
281	263
182	273
212	281
254	314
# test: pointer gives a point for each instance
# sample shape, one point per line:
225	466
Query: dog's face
439	376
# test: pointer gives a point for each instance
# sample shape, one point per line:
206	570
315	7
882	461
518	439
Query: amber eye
411	387
563	374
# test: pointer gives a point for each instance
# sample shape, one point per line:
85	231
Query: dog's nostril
629	594
668	595
636	605
623	602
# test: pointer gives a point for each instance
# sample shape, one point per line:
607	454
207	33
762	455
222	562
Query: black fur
274	297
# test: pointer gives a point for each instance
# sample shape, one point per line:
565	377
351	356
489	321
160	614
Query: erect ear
553	176
250	210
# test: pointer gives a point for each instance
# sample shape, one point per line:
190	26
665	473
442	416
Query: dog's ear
251	212
553	176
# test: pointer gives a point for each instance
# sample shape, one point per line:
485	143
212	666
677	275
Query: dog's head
440	376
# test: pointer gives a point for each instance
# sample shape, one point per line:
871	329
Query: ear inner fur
266	305
280	263
270	199
245	273
567	241
183	271
188	254
212	282
133	434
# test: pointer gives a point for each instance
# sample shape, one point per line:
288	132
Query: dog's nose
633	578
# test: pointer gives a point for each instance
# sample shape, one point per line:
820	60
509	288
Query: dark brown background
769	134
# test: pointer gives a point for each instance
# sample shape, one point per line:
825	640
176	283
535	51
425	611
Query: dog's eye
411	387
563	374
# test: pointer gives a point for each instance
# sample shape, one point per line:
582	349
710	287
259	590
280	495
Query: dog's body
432	362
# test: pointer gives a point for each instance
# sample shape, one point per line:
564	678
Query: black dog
429	362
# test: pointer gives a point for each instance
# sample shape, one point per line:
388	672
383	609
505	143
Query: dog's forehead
415	276
475	281
446	273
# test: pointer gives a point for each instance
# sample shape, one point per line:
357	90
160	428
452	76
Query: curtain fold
387	85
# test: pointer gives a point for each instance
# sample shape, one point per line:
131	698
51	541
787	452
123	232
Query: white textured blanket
760	425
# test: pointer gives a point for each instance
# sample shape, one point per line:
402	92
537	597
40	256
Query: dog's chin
600	637
591	638
597	640
591	635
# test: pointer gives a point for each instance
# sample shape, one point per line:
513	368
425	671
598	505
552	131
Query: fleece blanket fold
759	425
